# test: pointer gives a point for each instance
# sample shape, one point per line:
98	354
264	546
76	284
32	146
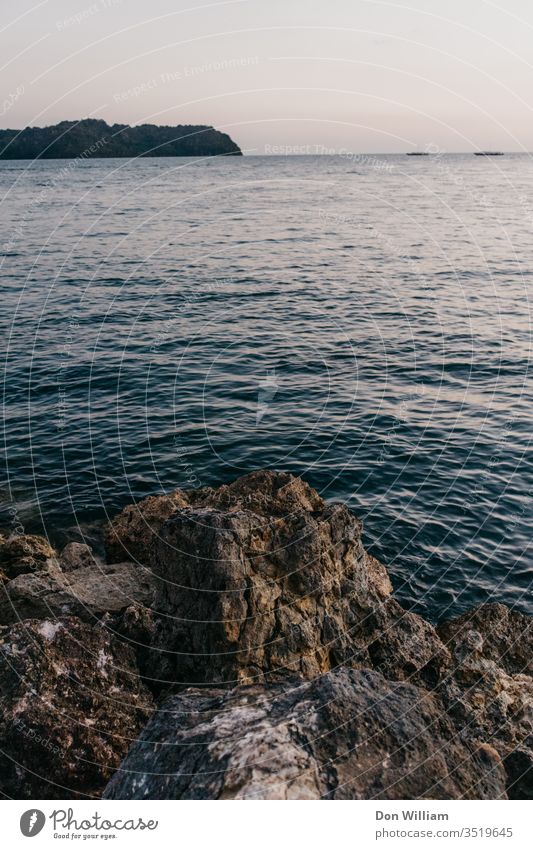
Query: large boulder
87	592
347	735
310	680
131	534
261	578
259	581
489	692
71	703
20	554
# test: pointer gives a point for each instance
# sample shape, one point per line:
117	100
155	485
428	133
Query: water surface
362	321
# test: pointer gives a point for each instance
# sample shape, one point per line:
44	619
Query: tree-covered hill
92	138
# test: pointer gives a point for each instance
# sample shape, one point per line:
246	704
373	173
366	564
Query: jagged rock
348	735
257	582
24	553
261	578
507	635
87	592
274	583
379	577
129	536
487	694
71	703
264	492
401	645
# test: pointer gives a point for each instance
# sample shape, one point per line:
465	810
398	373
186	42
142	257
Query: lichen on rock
71	704
309	679
20	554
349	734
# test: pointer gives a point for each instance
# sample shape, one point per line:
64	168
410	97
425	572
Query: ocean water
362	321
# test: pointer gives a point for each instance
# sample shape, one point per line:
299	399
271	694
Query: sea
361	320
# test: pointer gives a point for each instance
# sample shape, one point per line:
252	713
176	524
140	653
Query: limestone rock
269	582
129	536
22	554
401	645
487	693
267	493
311	681
378	575
348	735
137	627
87	592
76	555
71	703
506	634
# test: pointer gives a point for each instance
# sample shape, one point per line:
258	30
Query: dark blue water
363	322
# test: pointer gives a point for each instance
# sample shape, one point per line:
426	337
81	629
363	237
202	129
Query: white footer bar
274	825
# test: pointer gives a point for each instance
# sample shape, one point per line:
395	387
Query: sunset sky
368	76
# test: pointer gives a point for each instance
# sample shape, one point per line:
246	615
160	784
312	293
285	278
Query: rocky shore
240	643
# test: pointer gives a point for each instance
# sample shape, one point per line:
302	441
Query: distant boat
488	153
418	153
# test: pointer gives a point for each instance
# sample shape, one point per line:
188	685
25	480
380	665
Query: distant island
92	138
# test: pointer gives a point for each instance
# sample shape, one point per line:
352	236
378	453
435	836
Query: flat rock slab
87	592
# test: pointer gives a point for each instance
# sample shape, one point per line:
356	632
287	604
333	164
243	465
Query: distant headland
92	139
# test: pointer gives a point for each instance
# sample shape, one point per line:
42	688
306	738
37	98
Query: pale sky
360	75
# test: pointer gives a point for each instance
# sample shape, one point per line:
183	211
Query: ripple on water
380	350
